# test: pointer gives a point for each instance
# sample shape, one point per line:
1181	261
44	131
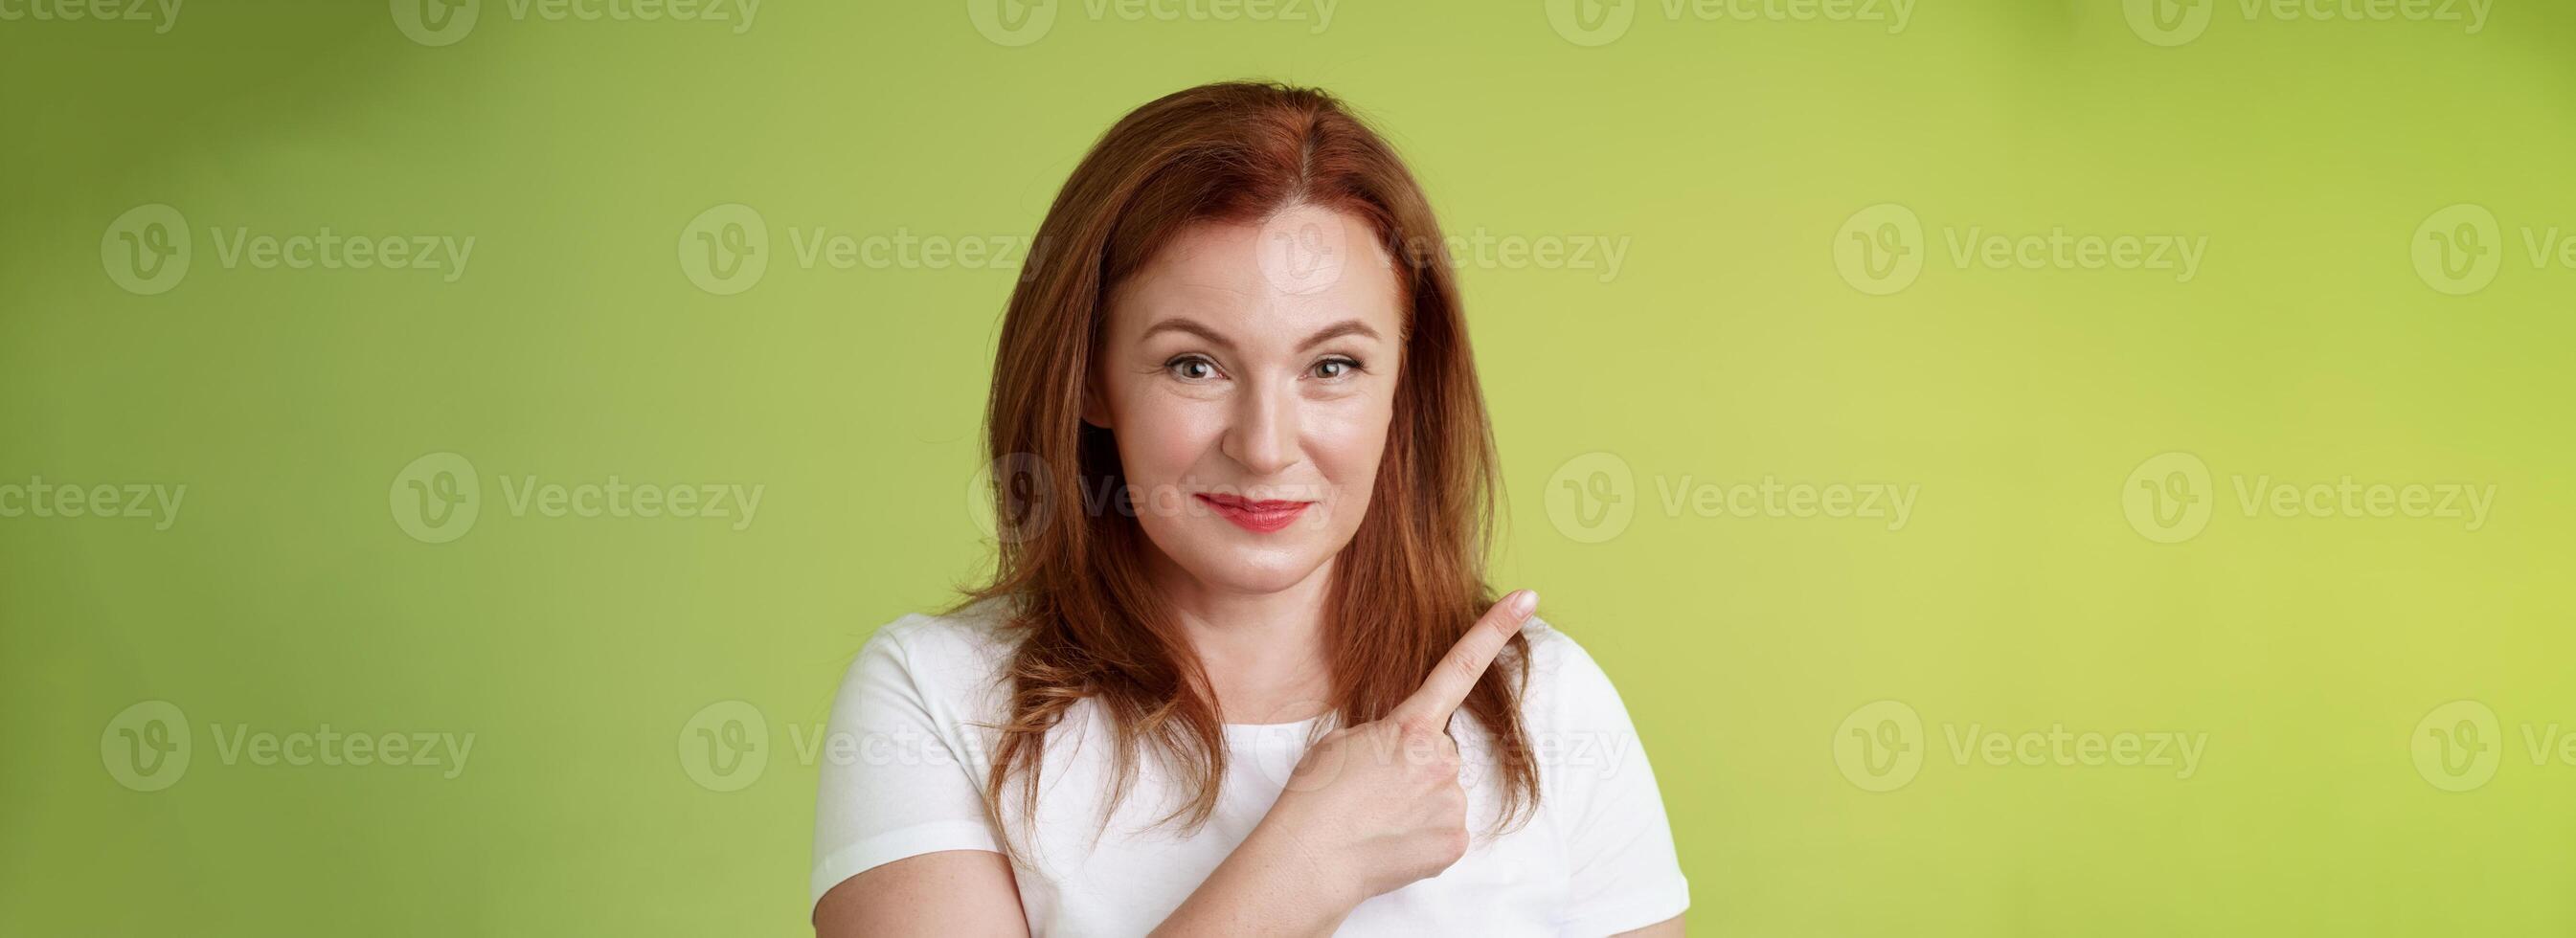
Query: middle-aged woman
1238	670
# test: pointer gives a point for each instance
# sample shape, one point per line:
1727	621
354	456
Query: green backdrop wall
2032	468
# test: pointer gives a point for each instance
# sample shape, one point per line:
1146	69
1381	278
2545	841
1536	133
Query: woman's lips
1257	517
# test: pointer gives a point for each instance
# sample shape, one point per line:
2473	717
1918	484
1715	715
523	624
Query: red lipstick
1257	517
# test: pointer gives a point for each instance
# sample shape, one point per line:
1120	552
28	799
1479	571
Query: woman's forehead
1300	269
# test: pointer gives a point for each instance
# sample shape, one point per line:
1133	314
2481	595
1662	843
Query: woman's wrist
1302	868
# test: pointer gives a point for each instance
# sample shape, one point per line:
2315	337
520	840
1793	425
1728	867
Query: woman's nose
1263	439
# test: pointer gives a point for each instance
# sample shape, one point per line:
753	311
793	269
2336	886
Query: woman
1231	674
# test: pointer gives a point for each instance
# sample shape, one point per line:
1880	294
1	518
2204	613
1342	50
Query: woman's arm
1266	887
1269	885
952	892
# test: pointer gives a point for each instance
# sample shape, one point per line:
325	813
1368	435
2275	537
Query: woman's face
1248	373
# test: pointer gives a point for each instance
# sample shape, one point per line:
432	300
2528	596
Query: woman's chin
1254	571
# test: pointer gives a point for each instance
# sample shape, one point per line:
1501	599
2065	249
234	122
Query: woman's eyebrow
1191	326
1321	336
1335	331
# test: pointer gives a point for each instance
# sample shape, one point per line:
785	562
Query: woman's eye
1334	369
1191	368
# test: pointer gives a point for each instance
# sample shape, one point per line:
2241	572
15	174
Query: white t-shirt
906	759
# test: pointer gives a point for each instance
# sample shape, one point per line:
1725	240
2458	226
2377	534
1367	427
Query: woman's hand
1380	803
1369	809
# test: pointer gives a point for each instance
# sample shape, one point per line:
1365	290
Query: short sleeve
1621	868
899	777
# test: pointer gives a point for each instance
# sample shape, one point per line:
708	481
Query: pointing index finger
1458	671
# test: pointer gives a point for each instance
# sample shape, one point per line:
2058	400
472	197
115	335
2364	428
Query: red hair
1411	581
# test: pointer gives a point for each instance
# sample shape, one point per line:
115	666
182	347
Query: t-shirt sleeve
898	775
1622	871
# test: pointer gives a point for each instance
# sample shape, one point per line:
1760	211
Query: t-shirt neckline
1254	732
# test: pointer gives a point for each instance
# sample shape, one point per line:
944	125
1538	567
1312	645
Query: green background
1726	155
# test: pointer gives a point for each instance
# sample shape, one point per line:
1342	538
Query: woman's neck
1263	652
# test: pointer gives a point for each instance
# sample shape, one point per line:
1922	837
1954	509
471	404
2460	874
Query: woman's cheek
1172	433
1347	439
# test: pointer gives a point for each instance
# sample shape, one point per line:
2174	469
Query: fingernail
1524	602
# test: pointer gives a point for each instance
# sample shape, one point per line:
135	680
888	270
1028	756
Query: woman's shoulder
1551	651
1565	684
954	653
979	629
